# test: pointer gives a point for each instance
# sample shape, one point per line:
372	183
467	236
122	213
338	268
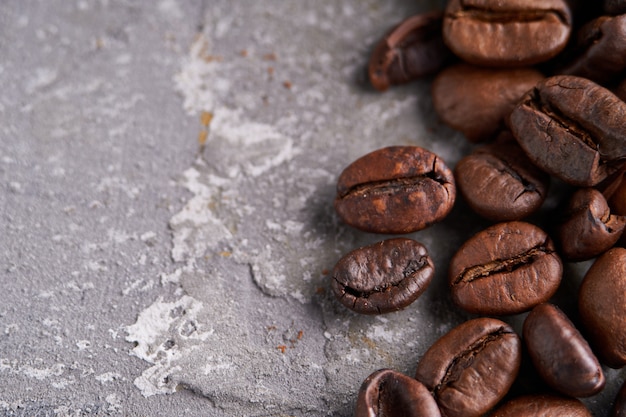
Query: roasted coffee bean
507	268
388	393
399	189
500	183
472	367
477	100
560	354
572	128
615	6
383	277
411	50
588	227
542	406
619	406
602	307
601	50
615	193
506	32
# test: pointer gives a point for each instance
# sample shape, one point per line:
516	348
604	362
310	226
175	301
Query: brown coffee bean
506	32
542	406
383	277
477	100
399	189
572	128
411	50
390	393
560	354
500	183
472	367
602	306
588	227
507	268
619	406
601	50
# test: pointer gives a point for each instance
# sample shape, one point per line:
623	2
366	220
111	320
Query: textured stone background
142	274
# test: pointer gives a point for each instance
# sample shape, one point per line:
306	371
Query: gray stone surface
143	274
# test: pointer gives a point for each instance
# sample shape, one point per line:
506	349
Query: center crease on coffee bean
393	186
465	359
411	269
508	169
562	121
499	265
509	16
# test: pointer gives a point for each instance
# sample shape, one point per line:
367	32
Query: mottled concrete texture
143	274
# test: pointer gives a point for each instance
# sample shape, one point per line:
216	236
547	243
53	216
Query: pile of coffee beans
538	86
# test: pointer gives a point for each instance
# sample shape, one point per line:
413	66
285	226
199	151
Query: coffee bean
615	6
572	128
499	182
390	393
411	50
399	189
602	306
619	406
507	268
477	100
588	227
600	51
544	406
383	277
472	367
506	32
560	354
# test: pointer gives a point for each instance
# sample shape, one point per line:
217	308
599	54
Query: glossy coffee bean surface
507	268
477	100
412	49
572	128
501	33
587	227
560	354
499	182
395	190
383	277
602	307
472	367
542	406
387	393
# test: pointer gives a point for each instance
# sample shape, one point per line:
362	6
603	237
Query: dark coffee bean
572	128
602	306
588	228
600	51
399	189
560	354
615	193
506	32
615	6
619	406
477	100
411	50
388	393
507	268
383	277
542	406
472	367
500	183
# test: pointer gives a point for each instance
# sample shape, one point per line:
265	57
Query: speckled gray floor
142	274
